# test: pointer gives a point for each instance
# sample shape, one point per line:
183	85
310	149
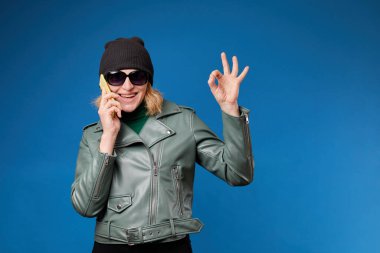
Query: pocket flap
119	204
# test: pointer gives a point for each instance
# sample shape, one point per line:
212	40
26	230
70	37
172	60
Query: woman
135	167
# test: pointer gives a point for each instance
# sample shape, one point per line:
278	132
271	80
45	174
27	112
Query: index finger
102	100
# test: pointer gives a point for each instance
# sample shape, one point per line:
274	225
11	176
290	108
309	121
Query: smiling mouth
128	96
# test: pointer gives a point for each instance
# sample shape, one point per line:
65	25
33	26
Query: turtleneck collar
138	114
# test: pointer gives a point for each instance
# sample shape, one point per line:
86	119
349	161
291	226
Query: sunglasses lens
116	78
138	77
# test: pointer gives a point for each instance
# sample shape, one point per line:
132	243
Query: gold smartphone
104	85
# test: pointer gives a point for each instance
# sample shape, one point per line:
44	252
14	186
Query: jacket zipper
247	139
178	189
154	187
100	177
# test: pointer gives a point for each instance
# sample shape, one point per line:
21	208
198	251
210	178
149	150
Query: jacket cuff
113	155
103	181
244	114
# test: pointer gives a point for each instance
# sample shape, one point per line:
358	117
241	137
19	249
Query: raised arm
231	160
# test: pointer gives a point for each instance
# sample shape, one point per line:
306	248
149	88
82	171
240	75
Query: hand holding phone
111	125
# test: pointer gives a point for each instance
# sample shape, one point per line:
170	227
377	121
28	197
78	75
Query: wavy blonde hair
153	100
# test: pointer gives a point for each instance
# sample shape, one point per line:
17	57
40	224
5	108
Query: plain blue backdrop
313	88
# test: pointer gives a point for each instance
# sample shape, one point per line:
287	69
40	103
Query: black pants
179	246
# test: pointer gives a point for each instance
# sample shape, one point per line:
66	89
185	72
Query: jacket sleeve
231	160
93	177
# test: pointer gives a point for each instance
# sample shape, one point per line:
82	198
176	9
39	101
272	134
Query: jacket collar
153	131
168	108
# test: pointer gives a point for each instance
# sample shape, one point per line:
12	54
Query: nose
127	85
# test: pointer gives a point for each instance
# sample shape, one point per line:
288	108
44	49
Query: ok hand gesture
226	92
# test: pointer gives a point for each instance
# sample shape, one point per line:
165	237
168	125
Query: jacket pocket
177	181
119	203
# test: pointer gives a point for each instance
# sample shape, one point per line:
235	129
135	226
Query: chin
129	108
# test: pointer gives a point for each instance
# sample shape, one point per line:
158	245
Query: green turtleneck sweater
135	119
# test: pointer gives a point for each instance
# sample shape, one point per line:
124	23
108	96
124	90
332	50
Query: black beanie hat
126	53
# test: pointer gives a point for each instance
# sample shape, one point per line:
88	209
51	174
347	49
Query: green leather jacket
143	192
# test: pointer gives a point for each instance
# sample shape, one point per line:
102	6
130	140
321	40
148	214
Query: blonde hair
153	100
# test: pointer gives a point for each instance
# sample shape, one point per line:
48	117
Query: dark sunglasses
117	78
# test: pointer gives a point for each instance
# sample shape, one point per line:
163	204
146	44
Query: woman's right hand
109	113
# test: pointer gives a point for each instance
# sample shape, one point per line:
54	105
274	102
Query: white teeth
128	96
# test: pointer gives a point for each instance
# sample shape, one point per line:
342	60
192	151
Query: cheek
113	89
143	92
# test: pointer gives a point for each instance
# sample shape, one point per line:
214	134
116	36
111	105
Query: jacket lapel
126	136
155	129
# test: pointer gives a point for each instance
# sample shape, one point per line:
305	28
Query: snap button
118	206
168	132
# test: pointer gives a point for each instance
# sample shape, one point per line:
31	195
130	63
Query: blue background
313	88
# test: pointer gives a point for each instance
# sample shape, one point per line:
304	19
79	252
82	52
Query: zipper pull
107	160
246	118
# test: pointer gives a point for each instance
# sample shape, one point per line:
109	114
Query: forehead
127	71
